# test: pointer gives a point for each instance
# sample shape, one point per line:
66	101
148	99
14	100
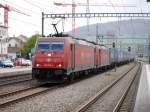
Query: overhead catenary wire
113	5
29	23
115	12
134	33
36	13
35	5
25	22
125	27
37	2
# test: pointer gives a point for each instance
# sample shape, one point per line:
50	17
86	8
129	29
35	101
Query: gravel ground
109	100
67	98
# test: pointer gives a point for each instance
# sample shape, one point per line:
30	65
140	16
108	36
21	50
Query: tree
26	48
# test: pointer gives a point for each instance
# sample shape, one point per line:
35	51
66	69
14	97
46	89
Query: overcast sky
28	25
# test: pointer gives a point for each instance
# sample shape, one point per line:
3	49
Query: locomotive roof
52	38
103	47
73	40
83	42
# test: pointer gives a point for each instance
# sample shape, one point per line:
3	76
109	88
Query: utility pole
73	17
42	24
88	19
149	49
97	35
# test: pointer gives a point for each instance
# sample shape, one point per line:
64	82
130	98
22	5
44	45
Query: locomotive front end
48	61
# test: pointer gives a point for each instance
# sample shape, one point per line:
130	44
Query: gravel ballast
18	86
109	100
67	98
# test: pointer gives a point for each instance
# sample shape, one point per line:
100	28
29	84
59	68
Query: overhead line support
42	24
90	15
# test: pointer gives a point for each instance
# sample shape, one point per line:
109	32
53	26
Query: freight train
57	59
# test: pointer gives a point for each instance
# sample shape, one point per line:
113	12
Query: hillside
135	27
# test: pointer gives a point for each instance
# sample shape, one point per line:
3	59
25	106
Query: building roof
23	36
10	38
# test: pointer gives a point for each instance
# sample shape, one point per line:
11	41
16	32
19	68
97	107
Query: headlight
49	55
37	65
60	65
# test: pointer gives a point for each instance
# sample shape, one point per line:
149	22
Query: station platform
14	71
142	103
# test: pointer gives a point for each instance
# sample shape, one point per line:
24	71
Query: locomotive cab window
56	46
43	46
50	46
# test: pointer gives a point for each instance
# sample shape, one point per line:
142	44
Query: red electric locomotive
59	58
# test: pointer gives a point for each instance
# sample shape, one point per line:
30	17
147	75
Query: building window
9	45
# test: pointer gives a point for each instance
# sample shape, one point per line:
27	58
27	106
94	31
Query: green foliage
26	48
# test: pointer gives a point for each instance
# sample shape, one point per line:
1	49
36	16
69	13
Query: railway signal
113	44
129	49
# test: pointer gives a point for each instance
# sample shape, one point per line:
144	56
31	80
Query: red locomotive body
102	56
61	57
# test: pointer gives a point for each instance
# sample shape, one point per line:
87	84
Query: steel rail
14	82
117	107
16	100
14	79
83	107
17	91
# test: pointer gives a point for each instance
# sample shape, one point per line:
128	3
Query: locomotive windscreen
51	46
57	46
43	46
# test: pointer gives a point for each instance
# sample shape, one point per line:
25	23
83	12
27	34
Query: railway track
20	95
120	102
86	106
7	91
128	102
10	98
6	80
